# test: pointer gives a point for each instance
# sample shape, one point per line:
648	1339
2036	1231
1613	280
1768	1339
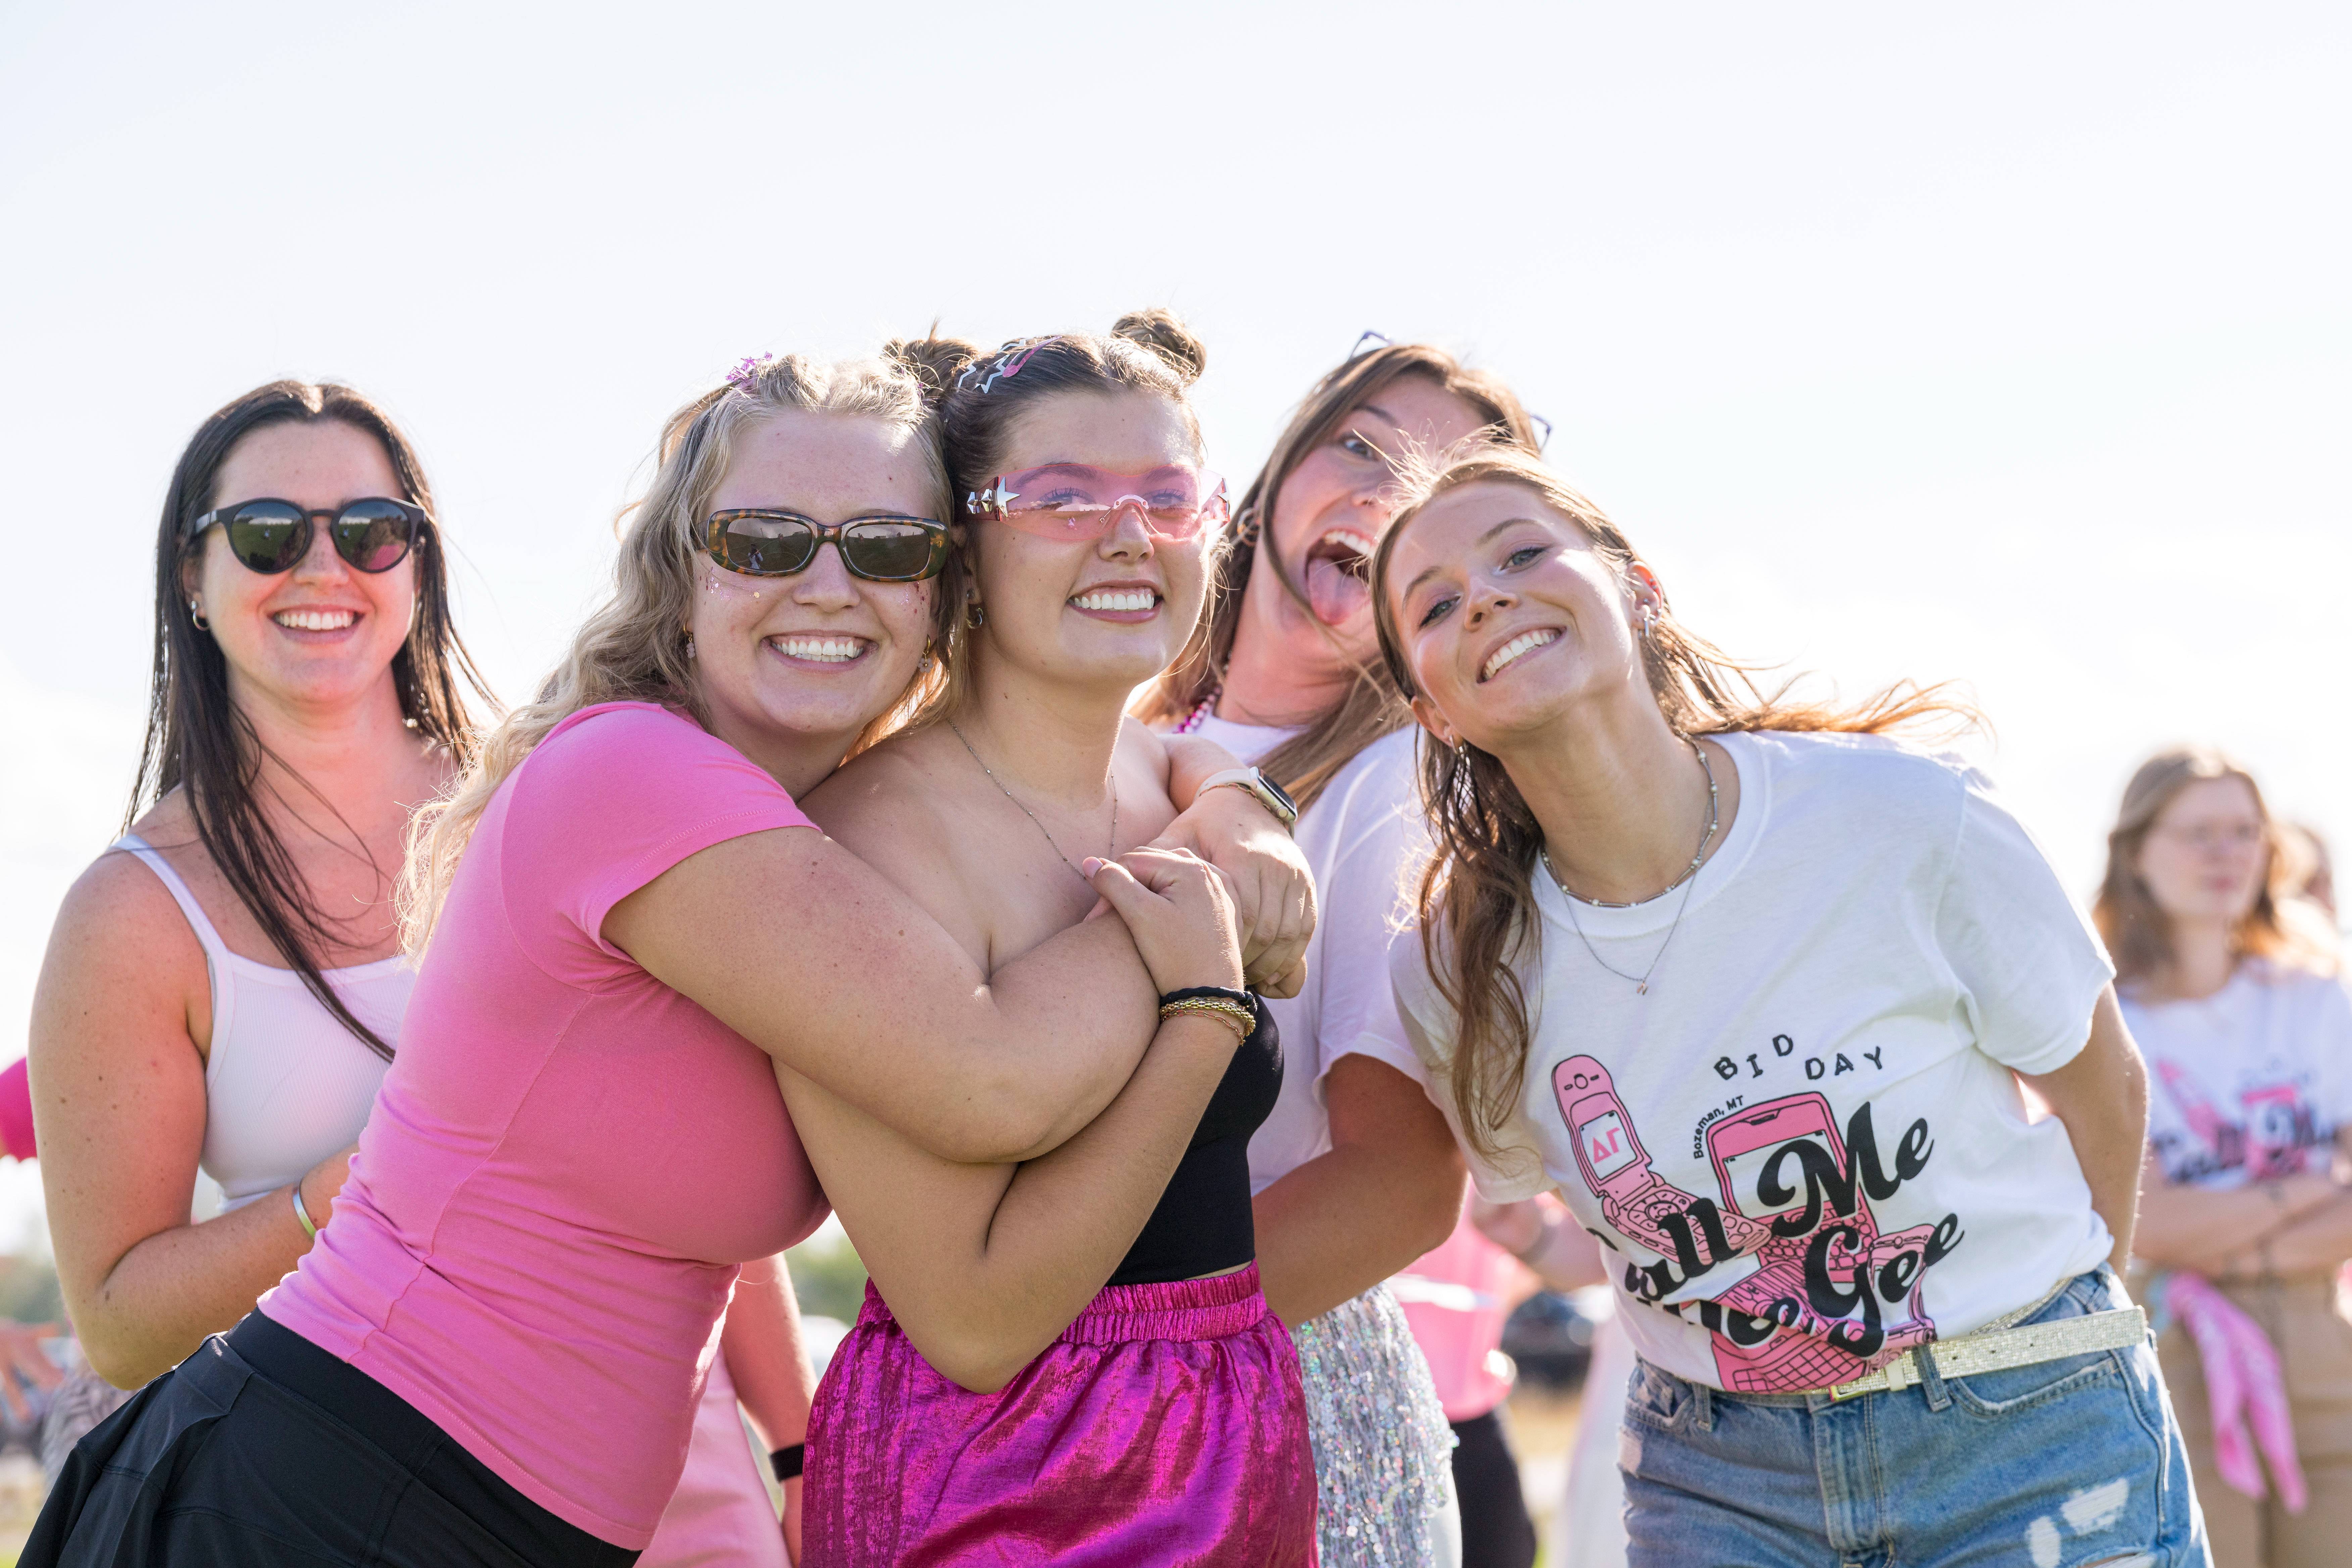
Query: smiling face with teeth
1509	619
792	668
320	635
1113	610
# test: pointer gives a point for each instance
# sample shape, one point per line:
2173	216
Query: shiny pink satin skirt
1165	1427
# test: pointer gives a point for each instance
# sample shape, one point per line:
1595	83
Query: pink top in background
17	1109
568	1160
1456	1298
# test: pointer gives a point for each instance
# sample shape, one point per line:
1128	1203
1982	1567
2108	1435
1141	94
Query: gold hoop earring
975	614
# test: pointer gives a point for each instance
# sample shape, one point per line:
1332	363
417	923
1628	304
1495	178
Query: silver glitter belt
2002	1348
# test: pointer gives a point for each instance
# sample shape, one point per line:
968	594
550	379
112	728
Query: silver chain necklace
1686	882
1032	816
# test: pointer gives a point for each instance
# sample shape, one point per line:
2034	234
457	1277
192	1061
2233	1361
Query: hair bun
1166	335
933	361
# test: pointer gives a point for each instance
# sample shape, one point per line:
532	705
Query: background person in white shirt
2230	987
1753	987
1355	1174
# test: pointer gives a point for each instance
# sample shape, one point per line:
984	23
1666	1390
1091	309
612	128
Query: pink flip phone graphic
1634	1199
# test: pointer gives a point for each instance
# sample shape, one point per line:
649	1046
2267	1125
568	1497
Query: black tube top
1202	1225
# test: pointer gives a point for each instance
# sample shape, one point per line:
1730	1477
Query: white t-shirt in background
1805	1145
1362	837
2251	1083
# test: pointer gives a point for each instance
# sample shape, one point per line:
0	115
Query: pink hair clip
749	368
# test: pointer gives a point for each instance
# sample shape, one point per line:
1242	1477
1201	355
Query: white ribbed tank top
284	1085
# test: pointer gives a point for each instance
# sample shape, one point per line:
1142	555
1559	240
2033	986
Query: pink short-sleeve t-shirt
568	1160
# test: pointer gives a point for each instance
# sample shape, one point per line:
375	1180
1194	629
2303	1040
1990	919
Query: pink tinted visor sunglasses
1079	501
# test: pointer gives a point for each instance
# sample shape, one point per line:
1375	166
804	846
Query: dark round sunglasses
271	535
761	543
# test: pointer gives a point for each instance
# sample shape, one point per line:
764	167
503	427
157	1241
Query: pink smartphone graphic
1744	1146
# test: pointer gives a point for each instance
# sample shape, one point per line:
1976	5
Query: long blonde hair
634	648
1476	899
2138	934
1371	706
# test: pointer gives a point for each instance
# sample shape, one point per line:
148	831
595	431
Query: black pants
1496	1530
263	1451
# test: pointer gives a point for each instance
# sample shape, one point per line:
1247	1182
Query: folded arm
984	1264
2182	1227
805	950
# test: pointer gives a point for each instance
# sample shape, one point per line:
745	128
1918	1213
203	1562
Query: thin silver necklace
1686	882
1032	816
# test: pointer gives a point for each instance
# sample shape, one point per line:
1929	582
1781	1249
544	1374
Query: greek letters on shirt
1812	1293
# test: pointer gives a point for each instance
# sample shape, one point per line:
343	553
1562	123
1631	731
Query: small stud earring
196	614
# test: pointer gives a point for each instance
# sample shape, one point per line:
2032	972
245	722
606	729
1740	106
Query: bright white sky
2000	344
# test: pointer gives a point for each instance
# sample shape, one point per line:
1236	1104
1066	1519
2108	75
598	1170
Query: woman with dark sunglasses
1109	1388
223	988
306	701
495	1351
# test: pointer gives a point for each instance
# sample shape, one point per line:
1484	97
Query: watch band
786	1461
1270	795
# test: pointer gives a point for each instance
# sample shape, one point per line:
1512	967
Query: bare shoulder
119	937
1141	744
885	806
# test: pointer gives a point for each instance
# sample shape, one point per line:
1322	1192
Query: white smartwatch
1270	795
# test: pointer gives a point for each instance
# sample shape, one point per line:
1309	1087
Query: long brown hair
632	648
1371	706
1476	899
200	741
2137	932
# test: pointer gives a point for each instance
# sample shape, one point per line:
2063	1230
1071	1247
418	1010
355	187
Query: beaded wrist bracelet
1236	1009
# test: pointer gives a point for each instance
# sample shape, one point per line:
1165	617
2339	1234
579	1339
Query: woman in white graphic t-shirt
1753	987
2230	987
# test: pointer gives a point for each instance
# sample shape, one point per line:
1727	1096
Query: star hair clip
1003	365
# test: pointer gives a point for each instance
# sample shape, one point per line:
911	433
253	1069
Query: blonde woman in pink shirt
493	1354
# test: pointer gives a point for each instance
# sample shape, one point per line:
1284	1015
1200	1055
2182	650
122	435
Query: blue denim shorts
2066	1464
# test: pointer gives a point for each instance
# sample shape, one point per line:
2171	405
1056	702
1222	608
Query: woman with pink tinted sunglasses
1133	1401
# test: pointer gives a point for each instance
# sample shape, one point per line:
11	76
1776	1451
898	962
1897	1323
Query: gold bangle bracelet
1233	1014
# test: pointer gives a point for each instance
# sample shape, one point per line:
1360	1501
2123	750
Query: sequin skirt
1165	1426
1383	1452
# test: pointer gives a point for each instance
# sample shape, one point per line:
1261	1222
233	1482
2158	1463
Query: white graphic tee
1804	1148
2251	1083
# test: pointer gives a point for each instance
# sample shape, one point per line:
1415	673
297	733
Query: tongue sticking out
1336	588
